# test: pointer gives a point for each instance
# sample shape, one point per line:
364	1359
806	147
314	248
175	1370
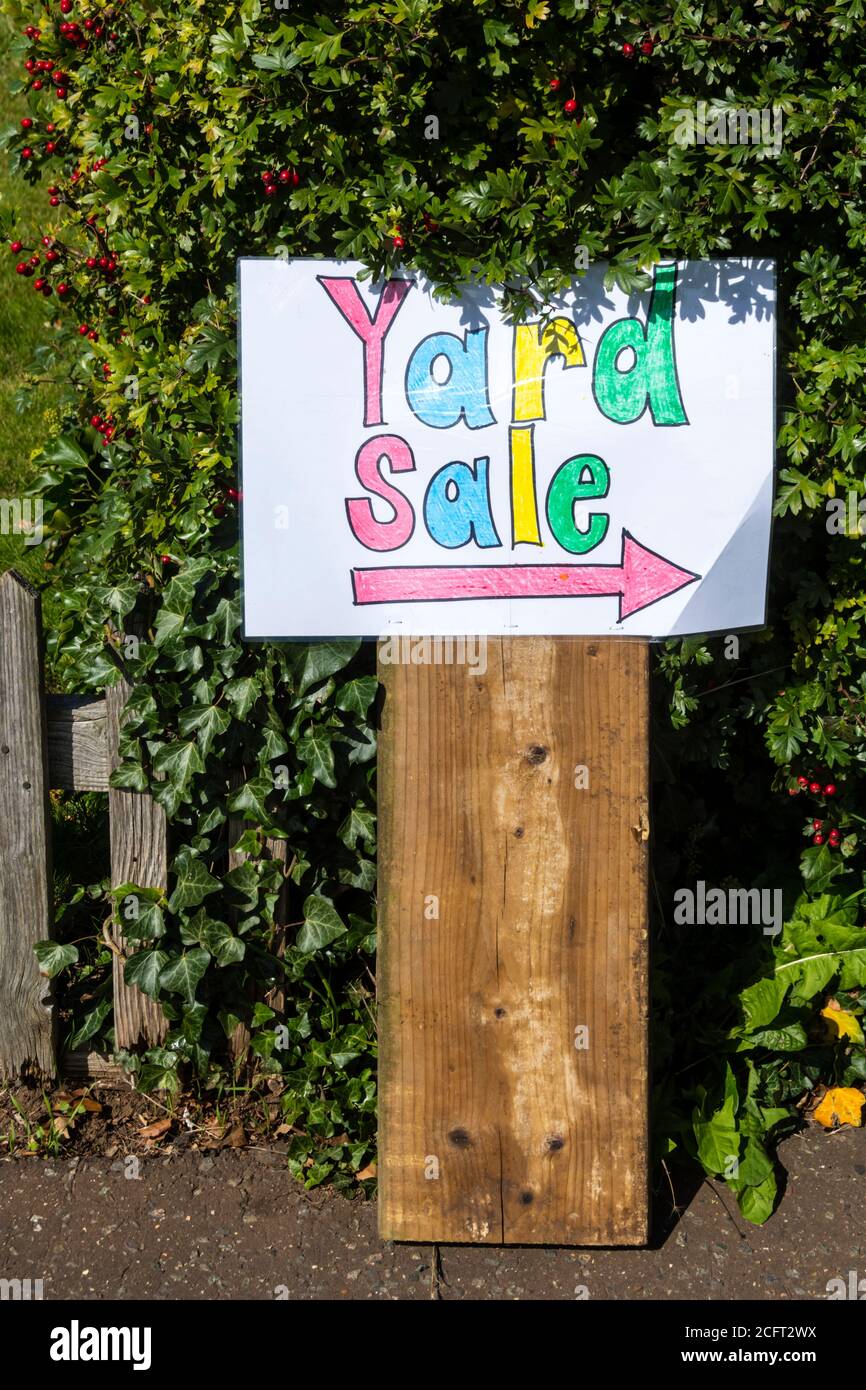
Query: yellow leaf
841	1024
842	1105
538	10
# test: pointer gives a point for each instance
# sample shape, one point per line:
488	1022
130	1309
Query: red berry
270	190
647	47
814	788
53	189
793	791
834	837
146	299
802	781
51	257
165	559
57	76
38	283
234	494
46	288
830	789
34	260
44	65
83	330
817	825
62	288
285	176
817	839
65	6
96	421
398	242
26	123
296	178
54	202
47	240
30	64
88	24
90	262
267	176
37	85
21	268
570	106
103	262
50	147
61	93
93	335
553	84
26	153
628	50
15	247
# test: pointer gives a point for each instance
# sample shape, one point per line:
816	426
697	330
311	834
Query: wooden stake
26	911
513	946
139	854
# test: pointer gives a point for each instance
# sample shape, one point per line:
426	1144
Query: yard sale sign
414	464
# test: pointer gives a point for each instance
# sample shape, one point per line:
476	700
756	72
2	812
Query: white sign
423	467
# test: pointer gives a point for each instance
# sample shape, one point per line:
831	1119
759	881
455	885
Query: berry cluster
286	178
818	829
572	106
29	268
59	78
646	46
105	426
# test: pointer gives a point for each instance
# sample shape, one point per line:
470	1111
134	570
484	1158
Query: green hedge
171	116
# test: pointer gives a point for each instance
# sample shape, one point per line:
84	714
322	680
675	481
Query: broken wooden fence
68	743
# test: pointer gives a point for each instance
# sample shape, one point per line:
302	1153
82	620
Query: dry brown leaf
155	1130
368	1172
842	1105
236	1138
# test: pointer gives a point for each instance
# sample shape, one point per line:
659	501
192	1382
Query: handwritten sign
424	466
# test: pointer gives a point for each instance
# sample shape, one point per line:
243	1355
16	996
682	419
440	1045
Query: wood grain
77	743
26	909
542	930
139	854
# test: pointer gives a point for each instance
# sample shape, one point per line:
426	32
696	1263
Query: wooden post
26	908
513	946
139	854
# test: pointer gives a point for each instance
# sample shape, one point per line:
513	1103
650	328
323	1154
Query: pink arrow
642	577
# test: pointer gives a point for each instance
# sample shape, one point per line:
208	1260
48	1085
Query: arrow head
647	577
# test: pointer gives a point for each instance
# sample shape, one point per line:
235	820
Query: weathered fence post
139	854
26	908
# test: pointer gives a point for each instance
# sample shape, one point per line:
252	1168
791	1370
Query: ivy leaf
322	924
220	941
144	969
323	659
182	975
53	957
193	882
315	749
355	697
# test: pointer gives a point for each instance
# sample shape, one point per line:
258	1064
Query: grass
24	323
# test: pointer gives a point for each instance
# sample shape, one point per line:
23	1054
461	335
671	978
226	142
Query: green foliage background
225	92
